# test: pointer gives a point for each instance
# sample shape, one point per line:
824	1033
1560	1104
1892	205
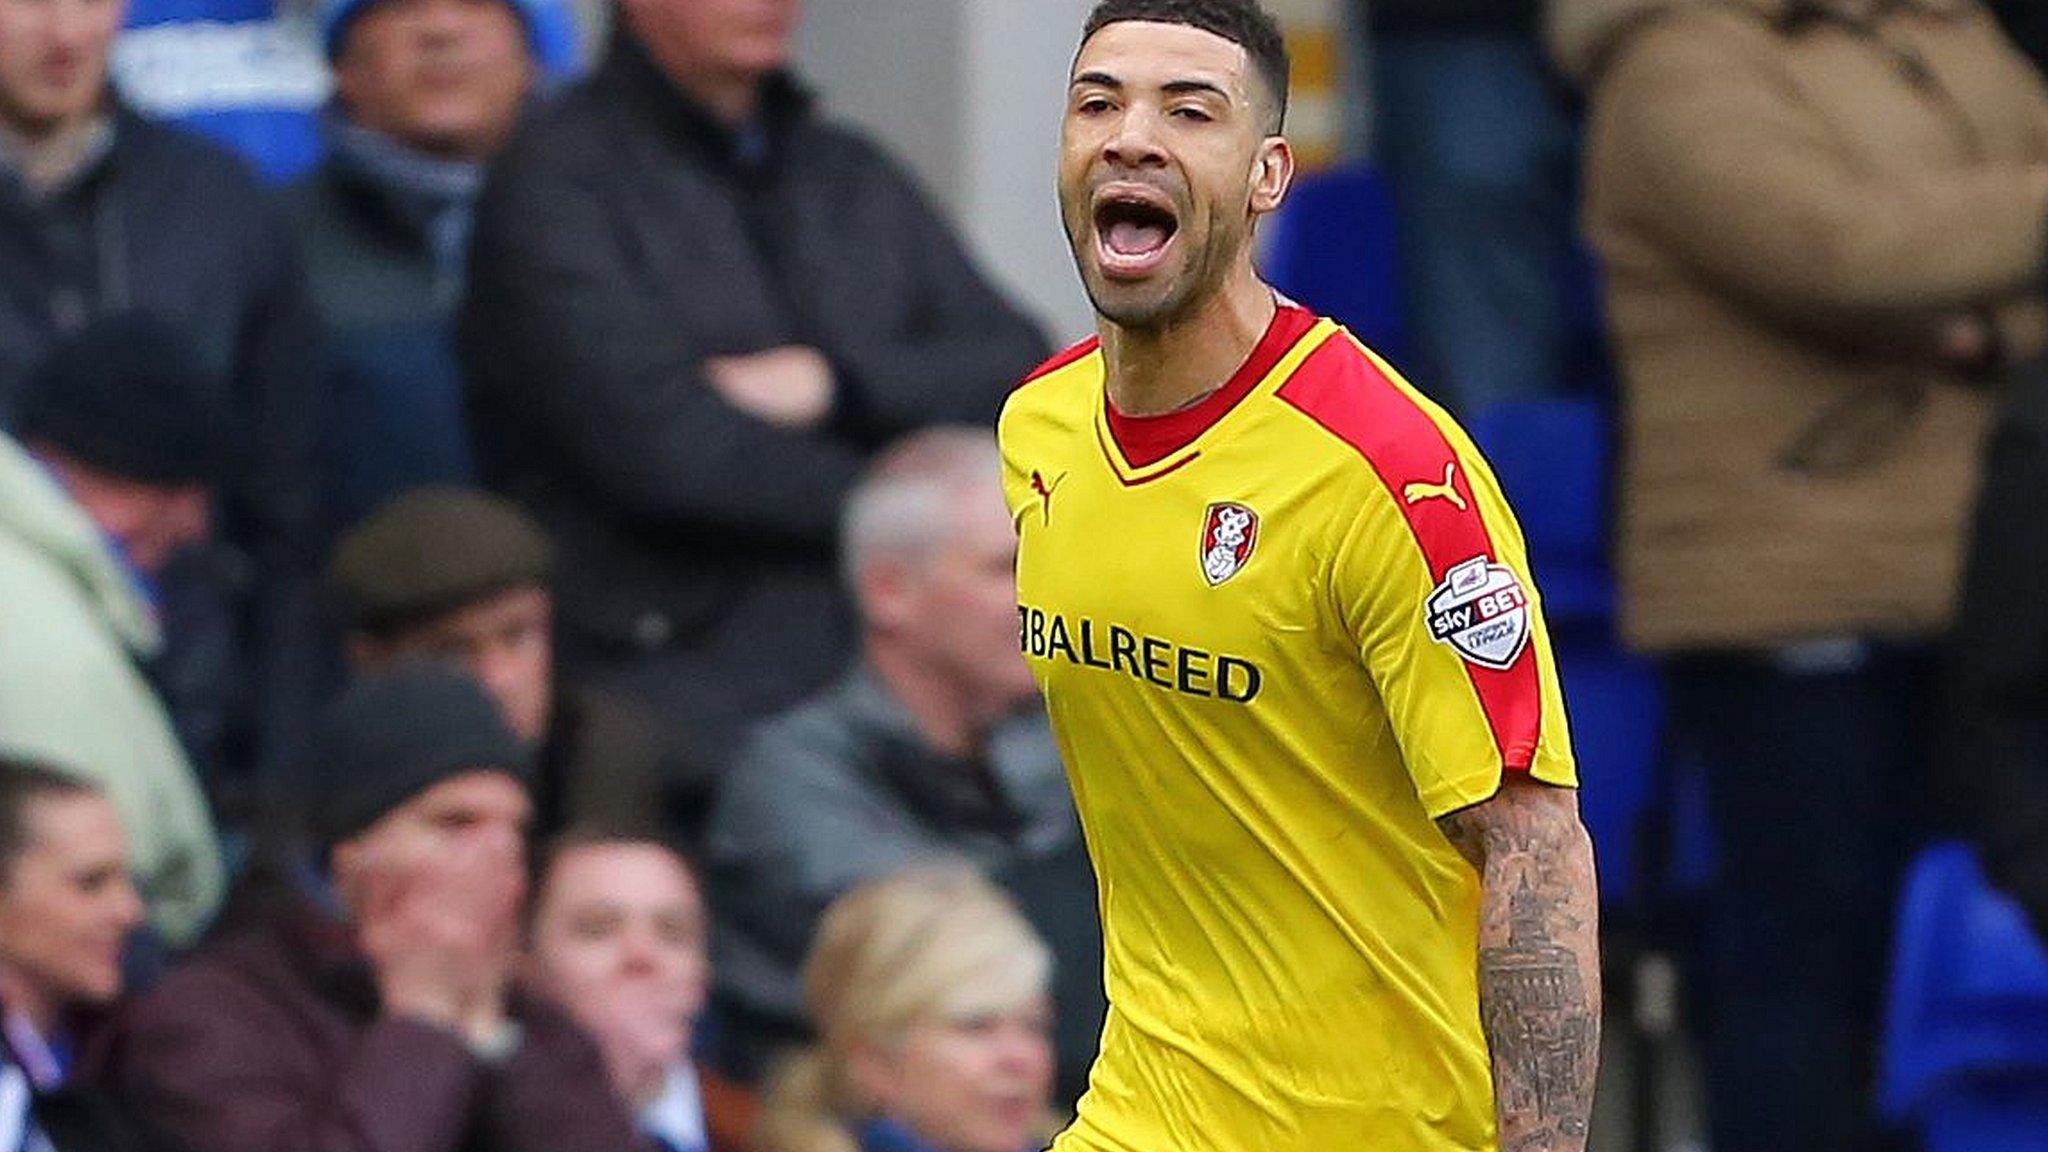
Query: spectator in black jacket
103	212
1997	697
695	308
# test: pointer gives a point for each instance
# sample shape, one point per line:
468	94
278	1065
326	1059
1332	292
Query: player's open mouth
1134	229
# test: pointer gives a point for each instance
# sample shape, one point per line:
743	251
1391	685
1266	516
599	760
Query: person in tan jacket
1824	225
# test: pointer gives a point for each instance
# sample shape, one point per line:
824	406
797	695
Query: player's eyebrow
1185	87
1195	87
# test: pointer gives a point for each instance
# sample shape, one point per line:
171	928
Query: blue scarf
889	1136
144	583
435	197
885	1135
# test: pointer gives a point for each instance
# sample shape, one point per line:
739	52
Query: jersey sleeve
1431	578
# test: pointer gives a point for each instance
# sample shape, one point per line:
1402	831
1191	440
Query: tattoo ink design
1536	1012
1538	965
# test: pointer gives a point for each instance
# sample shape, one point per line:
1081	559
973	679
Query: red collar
1146	440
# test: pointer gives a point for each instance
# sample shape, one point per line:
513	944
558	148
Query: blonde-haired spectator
929	994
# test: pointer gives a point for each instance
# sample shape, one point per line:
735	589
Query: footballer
1283	623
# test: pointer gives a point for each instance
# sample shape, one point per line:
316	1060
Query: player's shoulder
1081	359
1352	398
1062	385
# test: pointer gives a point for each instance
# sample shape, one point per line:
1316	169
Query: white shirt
677	1115
15	1099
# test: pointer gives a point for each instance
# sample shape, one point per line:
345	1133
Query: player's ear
1272	175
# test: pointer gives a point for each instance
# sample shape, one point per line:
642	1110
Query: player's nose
1134	142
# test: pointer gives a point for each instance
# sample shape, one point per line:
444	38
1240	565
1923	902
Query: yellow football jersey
1278	634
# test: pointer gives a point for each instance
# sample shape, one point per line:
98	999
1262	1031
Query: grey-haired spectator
376	1010
932	745
103	212
67	908
467	576
695	308
121	444
426	92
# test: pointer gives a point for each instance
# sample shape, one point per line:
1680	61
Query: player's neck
1153	371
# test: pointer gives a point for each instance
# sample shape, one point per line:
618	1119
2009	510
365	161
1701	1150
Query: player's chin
1135	284
1128	305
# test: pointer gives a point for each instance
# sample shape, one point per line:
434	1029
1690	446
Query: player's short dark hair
1244	23
22	783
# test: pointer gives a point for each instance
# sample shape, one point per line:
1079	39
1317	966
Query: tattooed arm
1539	960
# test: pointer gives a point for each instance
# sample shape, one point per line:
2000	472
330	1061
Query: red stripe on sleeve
1073	355
1344	391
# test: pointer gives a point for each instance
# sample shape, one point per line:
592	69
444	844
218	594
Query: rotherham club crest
1228	536
1481	611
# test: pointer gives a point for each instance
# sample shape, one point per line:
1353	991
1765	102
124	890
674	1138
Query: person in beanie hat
465	575
382	1013
549	28
425	93
110	479
129	397
397	736
127	418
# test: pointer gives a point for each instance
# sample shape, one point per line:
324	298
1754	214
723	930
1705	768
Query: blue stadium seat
1616	705
1966	1030
1334	247
1552	458
1988	1116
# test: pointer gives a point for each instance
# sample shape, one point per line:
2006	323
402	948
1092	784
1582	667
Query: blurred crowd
507	638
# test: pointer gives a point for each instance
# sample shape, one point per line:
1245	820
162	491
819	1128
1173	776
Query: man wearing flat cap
377	1010
115	453
464	575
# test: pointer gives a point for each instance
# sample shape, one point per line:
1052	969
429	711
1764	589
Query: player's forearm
1539	966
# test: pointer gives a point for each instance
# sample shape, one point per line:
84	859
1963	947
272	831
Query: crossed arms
1539	960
